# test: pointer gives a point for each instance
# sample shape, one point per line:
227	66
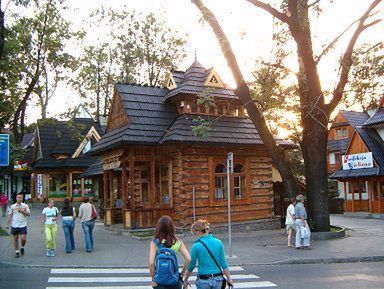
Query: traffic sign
4	150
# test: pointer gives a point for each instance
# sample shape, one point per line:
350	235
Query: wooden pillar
379	196
111	192
82	187
48	186
105	189
370	196
132	181
70	185
152	196
345	196
353	197
170	183
124	183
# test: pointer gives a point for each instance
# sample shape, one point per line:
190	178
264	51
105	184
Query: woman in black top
69	215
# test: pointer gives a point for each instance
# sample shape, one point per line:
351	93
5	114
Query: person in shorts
18	214
290	221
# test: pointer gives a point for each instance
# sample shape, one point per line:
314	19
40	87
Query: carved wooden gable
171	84
214	80
117	115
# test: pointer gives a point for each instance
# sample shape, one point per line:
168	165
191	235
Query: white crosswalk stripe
131	278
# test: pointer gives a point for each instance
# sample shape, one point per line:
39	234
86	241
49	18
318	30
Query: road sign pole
229	172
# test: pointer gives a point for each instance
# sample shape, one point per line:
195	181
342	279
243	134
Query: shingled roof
376	118
192	82
338	145
354	118
375	145
152	120
63	138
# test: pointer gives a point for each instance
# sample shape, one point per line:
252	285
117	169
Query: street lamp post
229	172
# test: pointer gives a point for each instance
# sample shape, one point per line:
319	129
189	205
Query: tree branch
276	152
347	61
274	12
333	42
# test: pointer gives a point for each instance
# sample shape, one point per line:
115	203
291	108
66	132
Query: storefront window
58	186
88	187
164	185
76	186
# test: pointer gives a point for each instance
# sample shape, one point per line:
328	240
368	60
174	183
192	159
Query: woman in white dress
290	220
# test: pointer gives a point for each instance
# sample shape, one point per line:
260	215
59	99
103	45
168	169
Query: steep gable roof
194	81
355	118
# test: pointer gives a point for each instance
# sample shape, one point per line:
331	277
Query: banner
357	161
4	150
39	186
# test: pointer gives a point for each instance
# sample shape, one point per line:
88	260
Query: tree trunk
2	32
316	175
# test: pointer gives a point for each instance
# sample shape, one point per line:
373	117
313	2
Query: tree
314	110
95	79
141	50
44	35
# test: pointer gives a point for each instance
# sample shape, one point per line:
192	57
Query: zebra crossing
132	278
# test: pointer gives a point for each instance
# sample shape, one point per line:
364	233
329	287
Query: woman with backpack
163	265
209	253
68	214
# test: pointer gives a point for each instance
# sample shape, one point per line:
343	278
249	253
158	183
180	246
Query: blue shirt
300	211
206	264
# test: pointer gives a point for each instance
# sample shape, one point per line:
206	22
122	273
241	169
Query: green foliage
201	128
273	88
205	98
16	152
366	84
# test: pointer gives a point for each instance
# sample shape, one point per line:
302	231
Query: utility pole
229	173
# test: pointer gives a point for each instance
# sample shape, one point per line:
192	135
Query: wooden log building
362	171
154	164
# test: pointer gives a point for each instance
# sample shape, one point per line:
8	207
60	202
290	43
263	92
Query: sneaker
17	255
52	253
48	252
22	251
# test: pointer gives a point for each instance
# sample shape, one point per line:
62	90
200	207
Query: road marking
262	284
127	279
115	270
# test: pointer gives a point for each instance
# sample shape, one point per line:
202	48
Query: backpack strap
213	258
158	244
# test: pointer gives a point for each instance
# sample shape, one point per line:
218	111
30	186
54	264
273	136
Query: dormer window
87	147
170	84
214	80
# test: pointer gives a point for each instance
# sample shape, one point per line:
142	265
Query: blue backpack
166	266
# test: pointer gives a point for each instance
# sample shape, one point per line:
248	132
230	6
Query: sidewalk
363	242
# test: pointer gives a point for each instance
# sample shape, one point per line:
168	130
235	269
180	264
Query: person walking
209	253
86	215
162	254
3	203
68	214
303	233
49	217
290	220
18	214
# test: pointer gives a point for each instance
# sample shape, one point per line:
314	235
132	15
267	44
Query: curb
363	259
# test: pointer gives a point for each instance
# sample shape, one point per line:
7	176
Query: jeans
211	283
306	241
88	234
68	227
50	236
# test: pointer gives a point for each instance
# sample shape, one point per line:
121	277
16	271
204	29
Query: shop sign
358	161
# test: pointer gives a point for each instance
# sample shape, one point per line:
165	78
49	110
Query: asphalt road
317	276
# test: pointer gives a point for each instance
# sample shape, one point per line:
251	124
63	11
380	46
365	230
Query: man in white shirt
18	213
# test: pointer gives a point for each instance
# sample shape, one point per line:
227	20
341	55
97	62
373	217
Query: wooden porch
137	189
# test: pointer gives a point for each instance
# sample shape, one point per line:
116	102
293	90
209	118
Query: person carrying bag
208	251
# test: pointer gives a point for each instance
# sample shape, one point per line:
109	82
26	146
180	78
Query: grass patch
335	229
3	232
143	234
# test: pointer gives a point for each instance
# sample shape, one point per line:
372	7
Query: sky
248	28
